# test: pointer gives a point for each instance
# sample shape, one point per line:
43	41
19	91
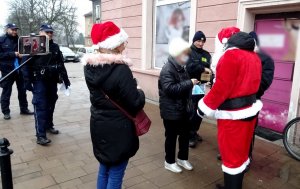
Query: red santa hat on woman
220	41
107	35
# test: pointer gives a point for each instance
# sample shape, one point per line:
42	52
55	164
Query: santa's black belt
236	103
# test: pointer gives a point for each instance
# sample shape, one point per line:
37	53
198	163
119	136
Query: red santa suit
232	99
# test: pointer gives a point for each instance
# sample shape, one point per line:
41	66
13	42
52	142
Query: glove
67	82
28	85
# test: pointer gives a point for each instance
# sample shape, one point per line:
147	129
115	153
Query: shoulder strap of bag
118	106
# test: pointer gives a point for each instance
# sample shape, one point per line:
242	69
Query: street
69	161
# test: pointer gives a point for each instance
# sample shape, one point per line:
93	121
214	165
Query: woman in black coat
113	134
175	88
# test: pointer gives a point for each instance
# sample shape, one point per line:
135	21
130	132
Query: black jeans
195	121
173	129
7	90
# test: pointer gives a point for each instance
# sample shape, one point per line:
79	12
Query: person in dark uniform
199	62
9	59
42	74
268	68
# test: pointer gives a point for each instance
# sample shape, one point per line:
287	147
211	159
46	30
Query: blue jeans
111	177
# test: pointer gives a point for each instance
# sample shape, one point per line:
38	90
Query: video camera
33	45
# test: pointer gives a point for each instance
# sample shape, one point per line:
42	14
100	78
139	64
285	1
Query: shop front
152	24
277	24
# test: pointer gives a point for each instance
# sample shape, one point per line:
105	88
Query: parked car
69	55
85	50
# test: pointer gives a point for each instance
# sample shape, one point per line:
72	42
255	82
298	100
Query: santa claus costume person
232	101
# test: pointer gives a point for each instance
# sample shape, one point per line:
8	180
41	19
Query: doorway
278	34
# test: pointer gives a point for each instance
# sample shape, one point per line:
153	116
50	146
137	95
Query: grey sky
84	6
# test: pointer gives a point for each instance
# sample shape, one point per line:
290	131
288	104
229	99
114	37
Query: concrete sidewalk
69	162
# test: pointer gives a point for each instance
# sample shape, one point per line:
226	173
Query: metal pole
16	69
5	164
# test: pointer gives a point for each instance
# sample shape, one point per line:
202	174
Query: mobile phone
33	45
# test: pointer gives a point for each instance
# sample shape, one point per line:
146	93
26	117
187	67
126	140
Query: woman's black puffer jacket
174	87
113	134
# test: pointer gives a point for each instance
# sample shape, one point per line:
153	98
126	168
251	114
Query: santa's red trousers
234	139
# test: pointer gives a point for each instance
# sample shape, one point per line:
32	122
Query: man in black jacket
41	75
266	78
199	62
9	59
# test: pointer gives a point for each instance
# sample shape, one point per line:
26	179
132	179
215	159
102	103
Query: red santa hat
226	33
107	35
220	41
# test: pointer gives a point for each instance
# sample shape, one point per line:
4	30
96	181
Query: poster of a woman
172	21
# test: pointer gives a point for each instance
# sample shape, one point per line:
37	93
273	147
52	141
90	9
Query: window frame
97	13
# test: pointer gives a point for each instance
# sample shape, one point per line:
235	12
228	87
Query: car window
66	50
84	50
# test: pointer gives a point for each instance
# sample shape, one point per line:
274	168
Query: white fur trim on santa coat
114	41
230	115
240	114
205	109
102	59
235	171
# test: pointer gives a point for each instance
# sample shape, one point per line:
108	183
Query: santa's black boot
232	181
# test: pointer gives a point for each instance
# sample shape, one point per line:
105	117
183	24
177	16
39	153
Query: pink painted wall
212	15
128	15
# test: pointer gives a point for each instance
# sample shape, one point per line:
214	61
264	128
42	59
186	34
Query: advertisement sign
172	21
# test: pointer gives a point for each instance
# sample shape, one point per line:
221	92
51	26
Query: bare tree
69	21
30	14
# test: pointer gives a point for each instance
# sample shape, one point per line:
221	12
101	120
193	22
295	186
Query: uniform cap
46	28
11	26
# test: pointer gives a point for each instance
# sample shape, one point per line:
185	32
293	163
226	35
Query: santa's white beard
219	51
215	59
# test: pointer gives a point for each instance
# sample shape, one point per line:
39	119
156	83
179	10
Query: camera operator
41	74
9	59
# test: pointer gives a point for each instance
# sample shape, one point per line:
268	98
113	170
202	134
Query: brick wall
212	15
126	14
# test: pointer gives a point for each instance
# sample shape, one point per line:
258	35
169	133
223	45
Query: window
172	21
97	13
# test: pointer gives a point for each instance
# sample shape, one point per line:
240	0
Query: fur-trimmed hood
102	59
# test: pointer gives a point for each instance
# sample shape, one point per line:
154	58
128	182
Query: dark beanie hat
199	35
255	37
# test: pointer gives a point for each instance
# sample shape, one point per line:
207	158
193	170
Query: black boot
53	131
26	112
7	116
43	141
233	181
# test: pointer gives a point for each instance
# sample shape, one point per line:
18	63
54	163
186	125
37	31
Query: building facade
152	23
88	19
96	11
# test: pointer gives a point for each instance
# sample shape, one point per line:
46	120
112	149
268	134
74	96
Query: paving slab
69	162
